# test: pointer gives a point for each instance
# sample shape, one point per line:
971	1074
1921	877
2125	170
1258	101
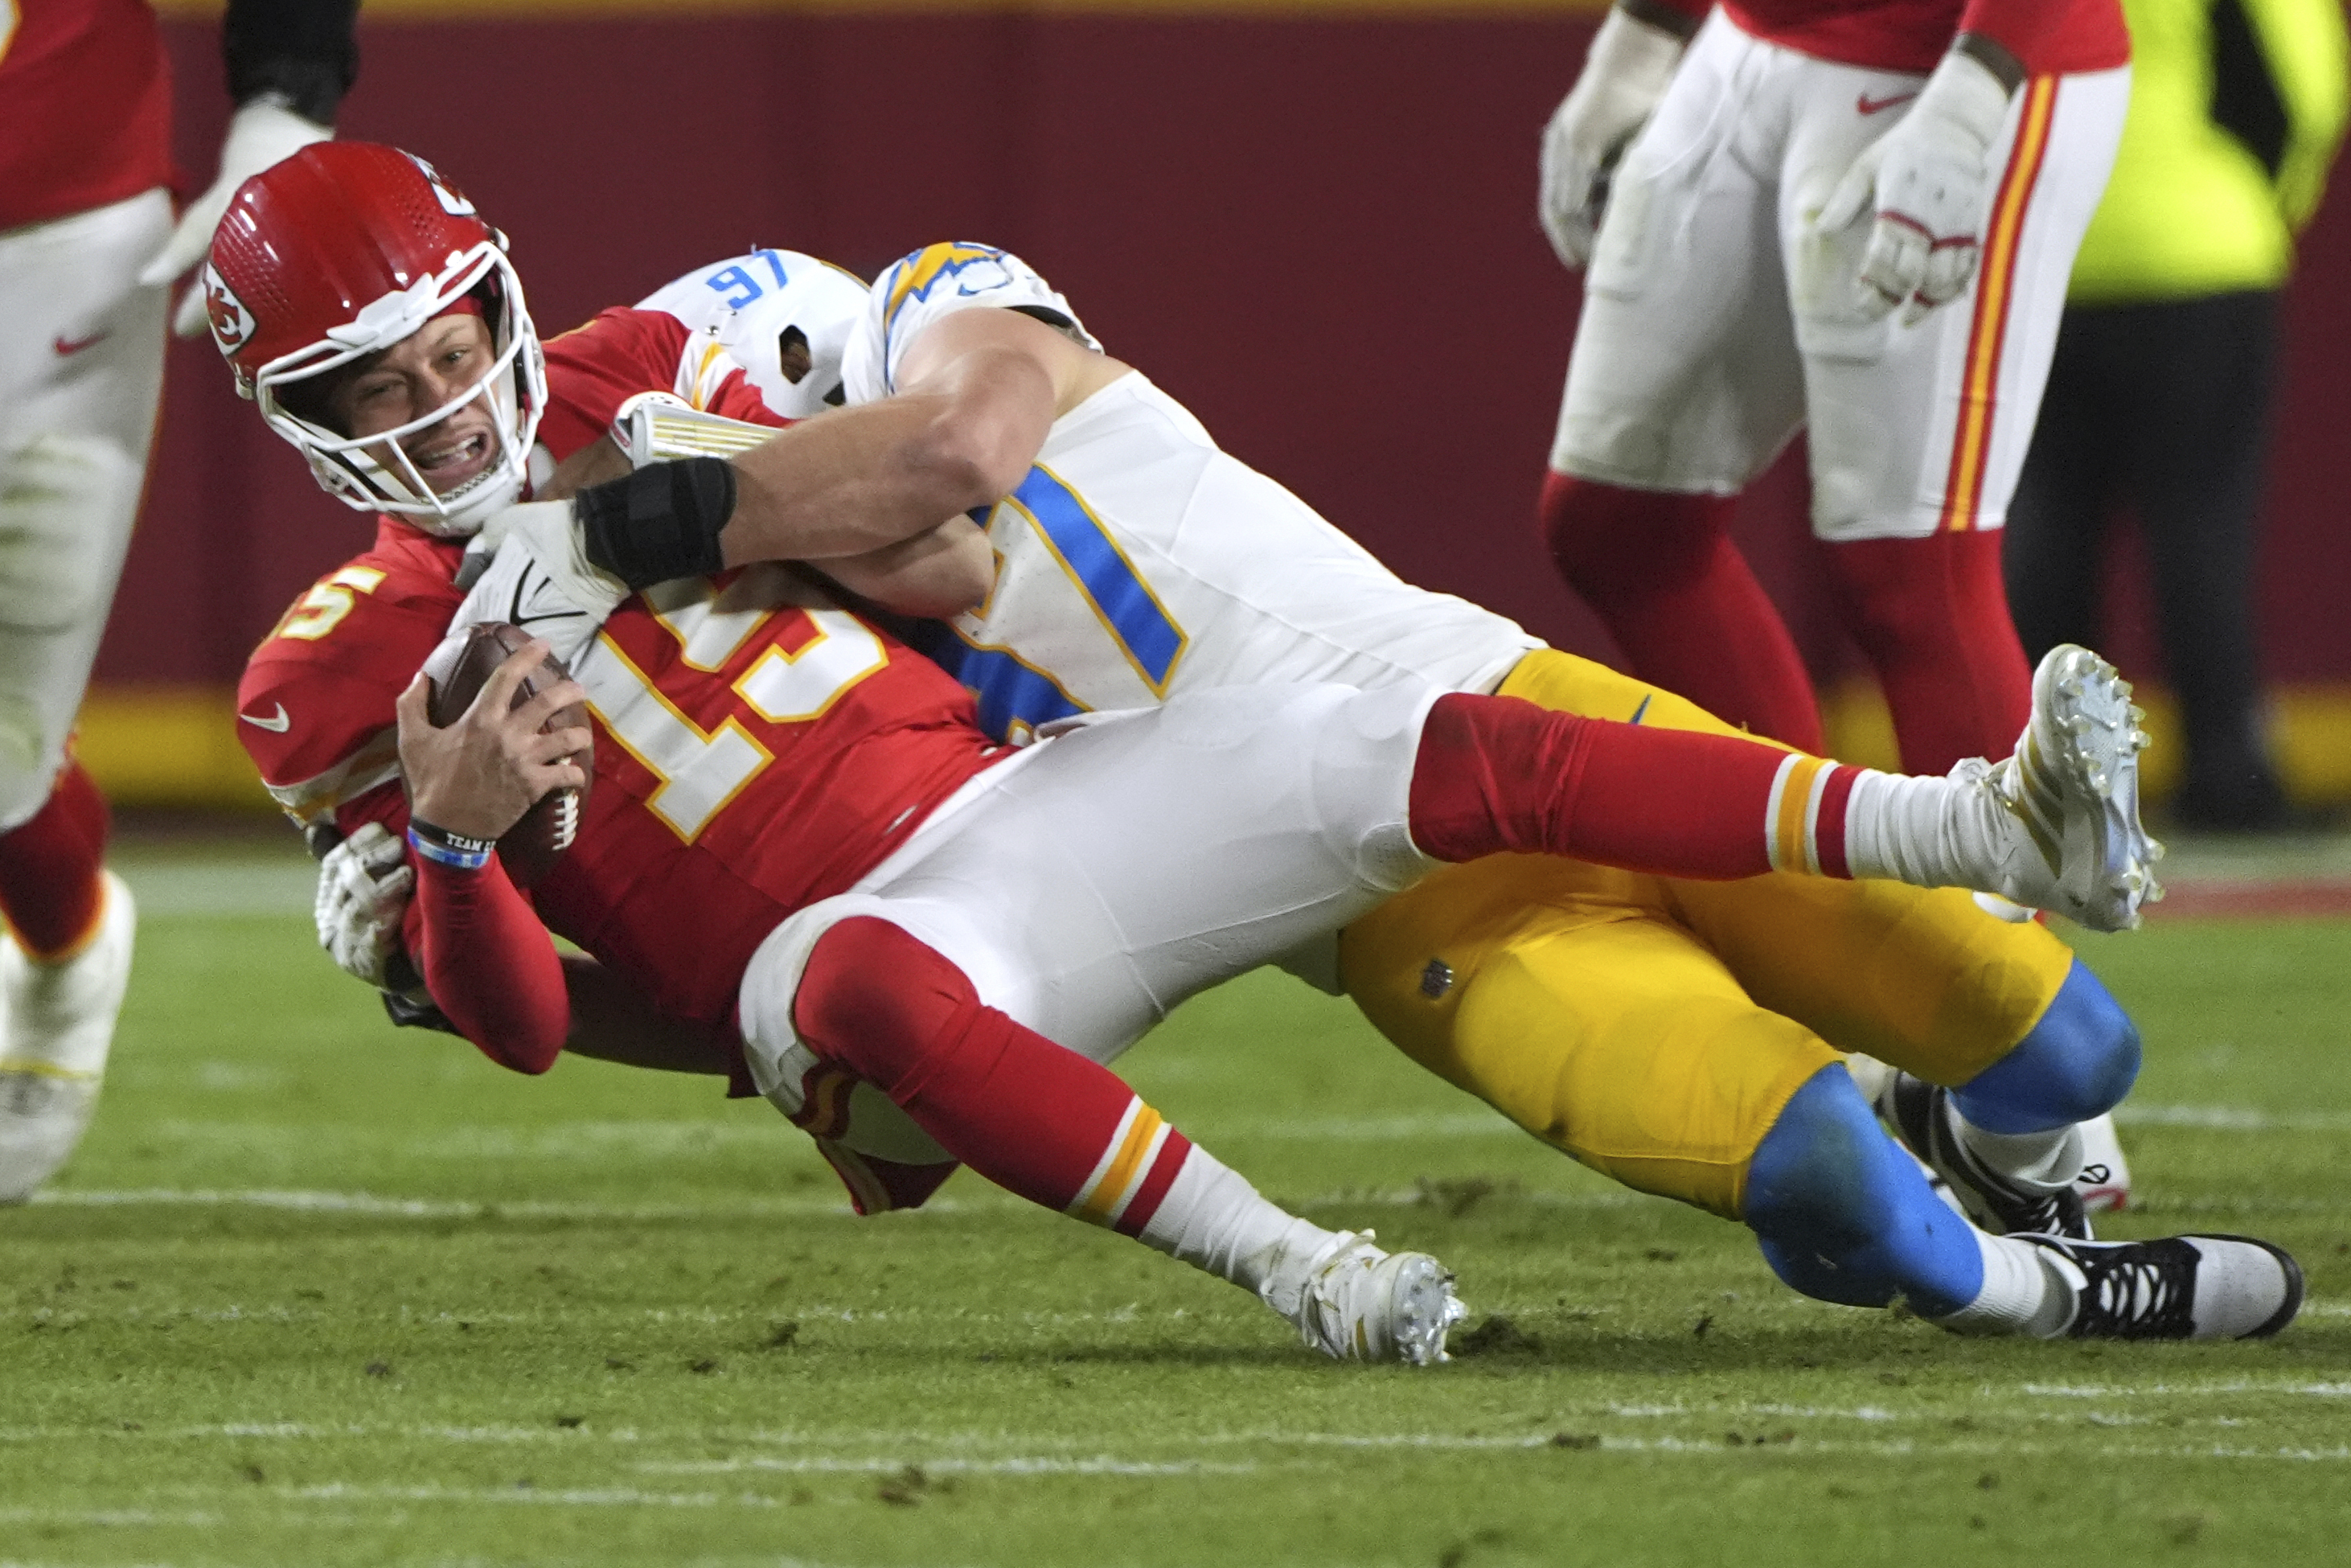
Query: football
532	846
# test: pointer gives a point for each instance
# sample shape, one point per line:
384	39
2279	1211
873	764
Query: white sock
2043	1161
1215	1220
2022	1293
1902	828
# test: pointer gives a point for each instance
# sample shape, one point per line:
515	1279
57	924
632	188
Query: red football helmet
345	249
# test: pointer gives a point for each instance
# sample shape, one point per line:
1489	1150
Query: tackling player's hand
1928	181
549	533
364	885
259	135
1631	61
477	777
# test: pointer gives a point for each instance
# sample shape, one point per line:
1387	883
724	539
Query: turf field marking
568	1496
2173	1390
373	1204
2233	1119
381	1207
1020	1464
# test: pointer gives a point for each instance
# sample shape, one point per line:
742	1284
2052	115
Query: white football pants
81	371
1718	321
1089	883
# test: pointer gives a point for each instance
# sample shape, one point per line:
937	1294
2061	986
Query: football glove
261	133
529	567
364	885
1928	181
1624	76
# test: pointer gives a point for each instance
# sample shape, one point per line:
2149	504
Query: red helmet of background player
341	251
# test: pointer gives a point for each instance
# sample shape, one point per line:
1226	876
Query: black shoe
1922	1116
2182	1287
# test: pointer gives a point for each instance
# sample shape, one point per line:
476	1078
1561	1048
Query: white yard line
376	1206
2233	1119
1017	1465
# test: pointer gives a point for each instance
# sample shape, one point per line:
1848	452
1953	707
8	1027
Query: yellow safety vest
2192	209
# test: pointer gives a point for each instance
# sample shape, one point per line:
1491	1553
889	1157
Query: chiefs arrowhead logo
232	322
453	201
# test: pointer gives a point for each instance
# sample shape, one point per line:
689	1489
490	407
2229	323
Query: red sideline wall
1316	231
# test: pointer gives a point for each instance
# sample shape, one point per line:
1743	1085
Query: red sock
1932	616
1678	598
1496	775
1030	1116
49	887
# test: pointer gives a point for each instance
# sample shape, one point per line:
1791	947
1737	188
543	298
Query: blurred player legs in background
1723	315
86	243
2161	394
80	373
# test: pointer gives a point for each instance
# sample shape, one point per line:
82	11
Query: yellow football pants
1655	1028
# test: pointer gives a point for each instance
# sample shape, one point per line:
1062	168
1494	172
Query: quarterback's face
433	366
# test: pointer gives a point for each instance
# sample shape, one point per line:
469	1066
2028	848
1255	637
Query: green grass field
318	1292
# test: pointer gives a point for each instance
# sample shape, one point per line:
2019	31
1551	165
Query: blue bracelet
443	847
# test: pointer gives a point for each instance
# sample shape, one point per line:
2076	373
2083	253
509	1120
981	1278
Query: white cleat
2061	814
2182	1287
1364	1304
60	1026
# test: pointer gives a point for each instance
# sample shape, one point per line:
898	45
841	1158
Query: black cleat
1921	1114
2182	1287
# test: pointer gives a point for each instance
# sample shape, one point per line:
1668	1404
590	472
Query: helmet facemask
375	471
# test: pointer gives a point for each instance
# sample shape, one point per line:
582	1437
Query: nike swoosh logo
1866	104
277	725
70	346
1640	711
517	615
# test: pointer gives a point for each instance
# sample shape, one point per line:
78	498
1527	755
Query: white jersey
1136	559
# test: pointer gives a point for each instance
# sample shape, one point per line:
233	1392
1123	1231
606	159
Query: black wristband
660	522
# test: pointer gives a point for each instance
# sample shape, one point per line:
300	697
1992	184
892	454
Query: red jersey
755	750
84	108
2048	37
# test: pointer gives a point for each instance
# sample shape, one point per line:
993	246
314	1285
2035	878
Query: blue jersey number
737	284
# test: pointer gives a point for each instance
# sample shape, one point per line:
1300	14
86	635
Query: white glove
364	885
259	134
528	567
1624	76
1930	180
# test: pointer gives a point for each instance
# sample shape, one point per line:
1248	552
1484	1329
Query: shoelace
2134	1298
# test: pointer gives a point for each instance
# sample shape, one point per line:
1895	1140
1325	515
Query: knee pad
1842	1215
2076	1063
1816	1173
884	1005
62	501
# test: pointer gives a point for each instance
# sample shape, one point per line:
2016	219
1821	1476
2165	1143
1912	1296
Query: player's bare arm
978	393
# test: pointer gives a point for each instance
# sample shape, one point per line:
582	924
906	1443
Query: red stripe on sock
1145	1202
1496	775
1828	828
